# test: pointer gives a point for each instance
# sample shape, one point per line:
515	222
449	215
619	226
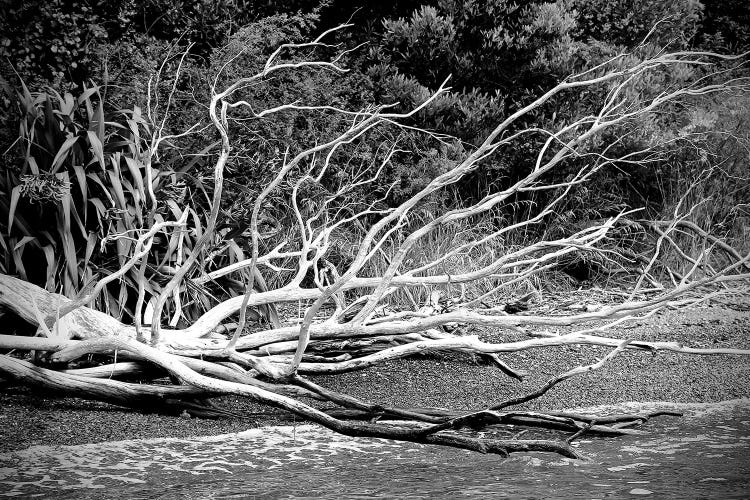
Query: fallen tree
351	317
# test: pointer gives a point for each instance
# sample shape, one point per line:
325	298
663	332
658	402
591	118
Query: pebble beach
453	381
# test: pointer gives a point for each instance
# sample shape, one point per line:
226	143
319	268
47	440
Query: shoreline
690	410
446	381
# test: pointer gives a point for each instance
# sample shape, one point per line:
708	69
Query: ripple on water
680	457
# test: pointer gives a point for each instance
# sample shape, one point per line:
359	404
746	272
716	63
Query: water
705	454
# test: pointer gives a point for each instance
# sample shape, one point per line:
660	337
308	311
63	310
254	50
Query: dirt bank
440	381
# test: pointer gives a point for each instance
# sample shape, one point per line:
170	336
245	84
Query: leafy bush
76	196
628	22
503	54
50	41
259	144
725	26
59	42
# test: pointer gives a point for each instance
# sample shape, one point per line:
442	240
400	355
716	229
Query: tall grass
439	243
707	183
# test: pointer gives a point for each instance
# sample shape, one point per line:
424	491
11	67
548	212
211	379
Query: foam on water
708	444
696	410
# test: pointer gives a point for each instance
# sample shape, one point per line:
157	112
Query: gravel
444	381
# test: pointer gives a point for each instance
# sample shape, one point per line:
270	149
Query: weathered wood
102	389
190	377
30	302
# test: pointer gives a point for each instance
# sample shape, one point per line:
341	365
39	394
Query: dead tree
271	365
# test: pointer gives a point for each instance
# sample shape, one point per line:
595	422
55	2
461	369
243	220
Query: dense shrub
51	41
61	42
75	195
725	26
628	22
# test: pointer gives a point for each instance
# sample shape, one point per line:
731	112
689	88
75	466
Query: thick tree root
148	396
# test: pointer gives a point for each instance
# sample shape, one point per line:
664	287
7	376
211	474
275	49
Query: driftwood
271	364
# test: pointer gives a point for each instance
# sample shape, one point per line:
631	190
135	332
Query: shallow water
705	454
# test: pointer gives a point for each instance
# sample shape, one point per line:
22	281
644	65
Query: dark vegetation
109	130
76	80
